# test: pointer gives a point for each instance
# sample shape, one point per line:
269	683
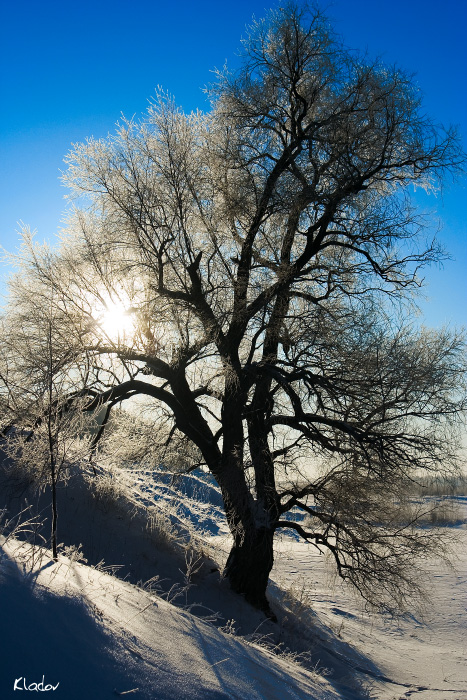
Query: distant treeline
438	486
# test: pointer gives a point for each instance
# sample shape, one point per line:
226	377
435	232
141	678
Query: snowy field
423	656
184	634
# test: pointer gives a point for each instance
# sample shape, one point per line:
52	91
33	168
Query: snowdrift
98	637
181	633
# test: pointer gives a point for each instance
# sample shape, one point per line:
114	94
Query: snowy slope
98	637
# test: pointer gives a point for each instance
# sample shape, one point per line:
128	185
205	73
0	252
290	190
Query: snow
98	636
421	656
185	635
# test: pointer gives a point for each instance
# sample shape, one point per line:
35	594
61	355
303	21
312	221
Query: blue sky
69	69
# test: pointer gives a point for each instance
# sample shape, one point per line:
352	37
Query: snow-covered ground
98	636
423	656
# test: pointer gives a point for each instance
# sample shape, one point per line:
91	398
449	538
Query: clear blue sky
69	69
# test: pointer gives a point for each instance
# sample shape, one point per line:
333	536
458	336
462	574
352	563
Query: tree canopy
251	272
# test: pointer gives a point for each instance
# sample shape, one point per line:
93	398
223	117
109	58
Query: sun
117	323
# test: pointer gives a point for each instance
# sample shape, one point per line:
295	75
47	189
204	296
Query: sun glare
116	322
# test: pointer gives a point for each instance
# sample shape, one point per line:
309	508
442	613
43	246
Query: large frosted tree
262	257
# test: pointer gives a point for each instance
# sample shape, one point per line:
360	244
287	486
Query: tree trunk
54	518
249	564
251	557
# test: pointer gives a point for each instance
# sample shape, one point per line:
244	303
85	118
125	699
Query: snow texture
99	636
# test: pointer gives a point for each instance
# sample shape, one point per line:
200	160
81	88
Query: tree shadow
319	647
55	638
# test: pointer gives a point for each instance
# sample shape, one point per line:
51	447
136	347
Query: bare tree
38	432
260	256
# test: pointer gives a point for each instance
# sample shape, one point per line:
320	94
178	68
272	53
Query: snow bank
98	637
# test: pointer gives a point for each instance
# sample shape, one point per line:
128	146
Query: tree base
248	566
